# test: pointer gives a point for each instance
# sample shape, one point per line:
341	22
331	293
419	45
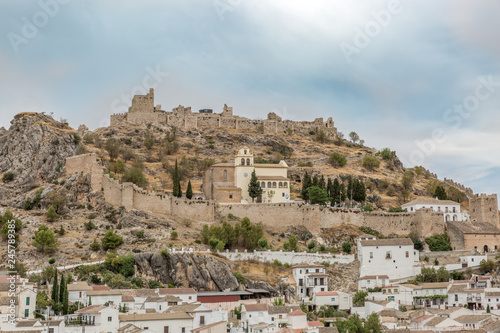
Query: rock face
193	270
35	148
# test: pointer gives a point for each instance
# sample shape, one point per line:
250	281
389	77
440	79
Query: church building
228	182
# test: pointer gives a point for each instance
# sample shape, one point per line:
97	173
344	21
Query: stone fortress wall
484	208
424	222
143	112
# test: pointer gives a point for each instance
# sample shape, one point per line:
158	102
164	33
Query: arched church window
248	161
269	184
242	161
274	184
245	152
280	185
263	184
286	184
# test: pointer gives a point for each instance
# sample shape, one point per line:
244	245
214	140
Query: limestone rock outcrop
35	147
199	271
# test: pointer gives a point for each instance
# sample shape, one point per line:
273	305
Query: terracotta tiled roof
315	323
457	288
327	293
471	318
366	277
387	242
435	321
297	312
176	291
202	328
422	318
79	286
91	309
430	201
100	288
475	227
255	307
281	309
154	316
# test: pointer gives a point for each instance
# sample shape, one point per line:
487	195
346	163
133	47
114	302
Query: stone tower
484	208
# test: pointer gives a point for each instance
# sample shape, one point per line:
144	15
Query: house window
80	294
439	209
159	307
454	209
190	297
388	255
333	299
456	298
317	270
281	316
263	184
322	289
51	330
165	329
371	255
225	174
26	313
110	318
183	330
230	196
283	194
27	301
202	320
272	318
407	254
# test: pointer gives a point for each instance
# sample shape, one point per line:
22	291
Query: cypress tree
335	194
321	183
254	189
329	187
66	299
55	288
306	183
62	285
189	191
177	184
343	192
315	180
90	301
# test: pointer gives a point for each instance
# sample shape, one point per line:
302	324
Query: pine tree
55	288
177	184
440	193
254	189
306	183
189	191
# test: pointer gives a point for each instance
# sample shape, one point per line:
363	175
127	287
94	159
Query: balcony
78	320
388	256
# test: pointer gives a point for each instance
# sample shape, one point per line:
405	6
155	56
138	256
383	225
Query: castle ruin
144	112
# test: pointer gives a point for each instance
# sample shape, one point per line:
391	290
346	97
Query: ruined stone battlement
143	112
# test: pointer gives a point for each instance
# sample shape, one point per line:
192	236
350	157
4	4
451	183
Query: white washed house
310	279
450	209
393	256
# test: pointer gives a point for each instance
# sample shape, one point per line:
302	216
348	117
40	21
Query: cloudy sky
421	77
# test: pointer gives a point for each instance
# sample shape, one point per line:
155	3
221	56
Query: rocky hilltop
34	150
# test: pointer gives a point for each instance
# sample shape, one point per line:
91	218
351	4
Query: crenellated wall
424	222
143	112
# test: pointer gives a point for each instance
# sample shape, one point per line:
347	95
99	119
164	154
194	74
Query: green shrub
346	247
311	245
386	154
174	235
241	279
95	246
337	160
371	162
136	176
439	242
89	225
51	214
8	177
52	260
111	240
262	242
152	284
139	233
